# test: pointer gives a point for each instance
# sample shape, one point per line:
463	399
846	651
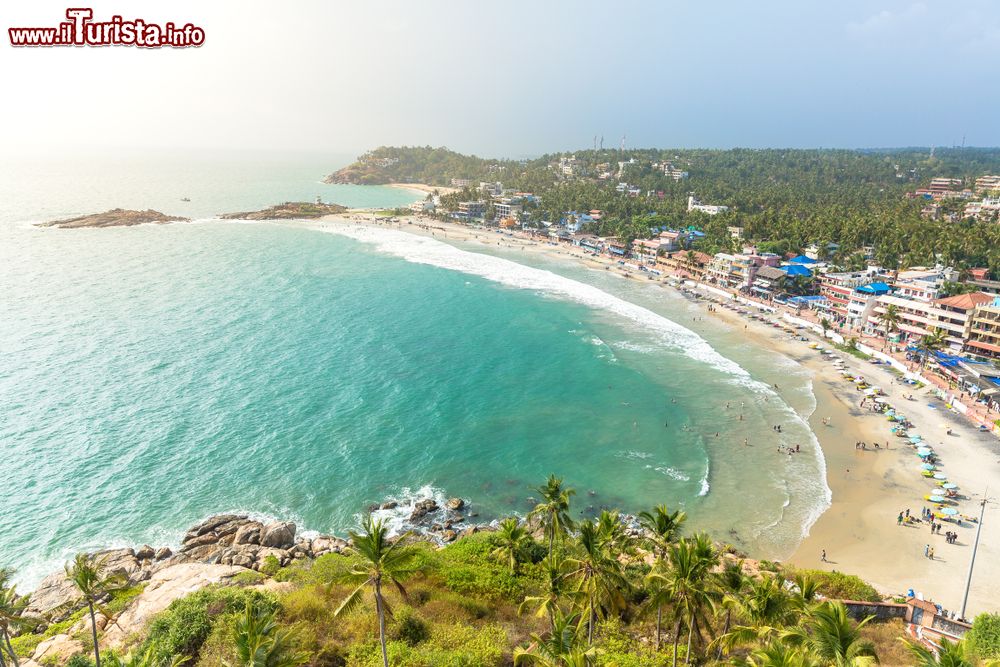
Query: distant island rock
288	211
116	217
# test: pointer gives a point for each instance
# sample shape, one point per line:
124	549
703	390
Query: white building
710	209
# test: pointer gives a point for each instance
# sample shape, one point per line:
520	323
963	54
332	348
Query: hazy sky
514	78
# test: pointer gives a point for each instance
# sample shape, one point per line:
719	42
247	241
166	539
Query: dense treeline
549	591
783	199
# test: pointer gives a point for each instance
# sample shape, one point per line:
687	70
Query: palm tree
686	582
601	581
730	583
890	319
85	572
511	539
949	655
553	510
763	609
662	529
12	618
547	603
833	637
562	648
378	560
778	654
931	343
146	659
825	323
260	643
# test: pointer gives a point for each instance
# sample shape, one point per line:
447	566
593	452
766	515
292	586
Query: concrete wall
883	611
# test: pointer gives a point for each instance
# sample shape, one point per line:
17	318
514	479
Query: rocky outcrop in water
116	217
288	211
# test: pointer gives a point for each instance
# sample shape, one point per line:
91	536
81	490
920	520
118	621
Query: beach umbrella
924	450
940	475
927	473
935	499
859	380
950	511
923	455
915	439
927	466
949	485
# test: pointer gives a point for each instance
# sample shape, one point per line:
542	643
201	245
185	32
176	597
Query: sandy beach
424	188
859	532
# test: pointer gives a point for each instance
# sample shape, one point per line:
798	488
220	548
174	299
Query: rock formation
116	217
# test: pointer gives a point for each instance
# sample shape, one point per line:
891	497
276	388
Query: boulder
211	523
249	533
163	588
199	541
327	543
284	558
455	504
145	552
422	508
389	505
449	535
121	562
278	535
54	595
163	553
58	649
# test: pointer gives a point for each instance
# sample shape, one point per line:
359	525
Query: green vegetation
86	573
984	638
600	594
784	200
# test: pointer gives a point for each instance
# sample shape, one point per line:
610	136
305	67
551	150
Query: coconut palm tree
662	529
564	647
553	510
931	342
730	583
763	609
547	603
12	616
379	561
890	319
949	655
686	582
829	633
600	578
86	573
260	643
146	659
778	654
511	539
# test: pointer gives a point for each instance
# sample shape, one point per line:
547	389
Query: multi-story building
984	330
472	209
670	171
710	209
460	182
953	314
645	250
720	270
691	262
988	184
507	208
838	288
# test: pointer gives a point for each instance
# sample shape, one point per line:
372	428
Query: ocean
154	375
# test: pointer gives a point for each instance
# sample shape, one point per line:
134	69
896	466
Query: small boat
185	199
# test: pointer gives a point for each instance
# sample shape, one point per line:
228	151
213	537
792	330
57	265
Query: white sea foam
397	519
672	473
423	250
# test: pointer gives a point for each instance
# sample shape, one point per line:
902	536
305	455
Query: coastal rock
145	552
58	649
55	596
163	588
249	533
121	562
211	523
389	505
449	536
163	553
326	544
116	217
422	508
288	211
279	535
455	504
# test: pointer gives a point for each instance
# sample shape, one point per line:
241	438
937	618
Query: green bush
984	638
80	660
25	645
621	650
270	566
182	628
840	586
455	645
409	627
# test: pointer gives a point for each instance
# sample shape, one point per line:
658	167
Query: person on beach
930	553
822	556
927	550
899	519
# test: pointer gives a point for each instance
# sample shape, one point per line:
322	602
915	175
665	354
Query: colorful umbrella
940	475
950	511
949	485
927	466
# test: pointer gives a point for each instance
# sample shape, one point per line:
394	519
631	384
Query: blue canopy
873	288
796	270
802	259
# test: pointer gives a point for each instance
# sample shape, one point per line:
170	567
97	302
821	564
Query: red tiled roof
965	301
984	346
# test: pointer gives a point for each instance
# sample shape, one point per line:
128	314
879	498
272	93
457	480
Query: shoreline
869	487
423	188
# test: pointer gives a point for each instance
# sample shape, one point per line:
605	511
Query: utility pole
972	562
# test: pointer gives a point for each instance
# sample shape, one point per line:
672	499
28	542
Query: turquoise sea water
151	376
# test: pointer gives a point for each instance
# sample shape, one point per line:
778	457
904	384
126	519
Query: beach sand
870	487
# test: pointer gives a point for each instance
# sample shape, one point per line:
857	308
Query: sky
512	78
